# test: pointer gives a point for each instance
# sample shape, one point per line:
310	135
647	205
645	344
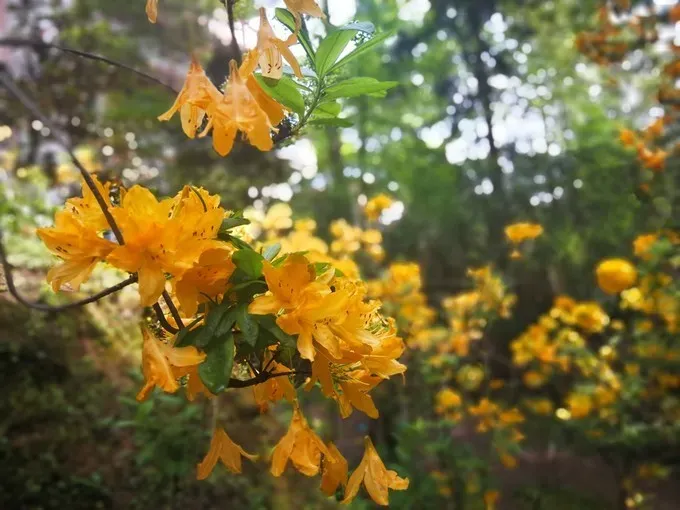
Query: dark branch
260	378
11	287
18	43
13	89
229	6
163	321
173	309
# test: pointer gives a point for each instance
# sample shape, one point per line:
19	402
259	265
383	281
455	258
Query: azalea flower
301	445
274	389
152	10
299	7
334	471
158	360
376	205
376	478
273	50
520	232
274	110
238	110
222	448
197	93
87	210
78	246
615	275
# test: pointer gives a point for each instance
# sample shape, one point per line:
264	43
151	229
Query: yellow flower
301	445
87	210
376	477
615	275
193	100
627	137
491	498
643	244
533	379
541	406
579	405
274	389
299	7
238	110
590	316
287	285
334	471
376	205
158	360
77	245
508	460
273	50
152	10
520	232
355	394
307	225
447	399
206	280
222	448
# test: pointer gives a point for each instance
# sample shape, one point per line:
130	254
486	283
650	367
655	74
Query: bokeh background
497	118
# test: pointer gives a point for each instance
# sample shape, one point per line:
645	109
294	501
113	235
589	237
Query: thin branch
11	287
163	321
13	89
18	43
173	309
229	6
261	378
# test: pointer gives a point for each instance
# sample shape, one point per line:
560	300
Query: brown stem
229	6
163	321
260	378
11	287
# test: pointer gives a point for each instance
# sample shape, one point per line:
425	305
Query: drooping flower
300	7
520	232
78	246
238	110
274	389
222	448
334	471
274	110
627	137
206	280
158	360
273	50
376	478
615	275
197	93
301	445
152	10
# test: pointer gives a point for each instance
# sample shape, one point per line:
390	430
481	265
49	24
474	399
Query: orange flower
376	477
152	10
275	111
158	360
520	232
238	110
87	210
299	7
334	471
653	159
273	50
627	137
490	499
274	389
192	102
222	448
301	445
78	246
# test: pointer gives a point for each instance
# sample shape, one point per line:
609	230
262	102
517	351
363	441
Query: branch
229	6
11	287
261	378
18	43
173	309
14	90
163	321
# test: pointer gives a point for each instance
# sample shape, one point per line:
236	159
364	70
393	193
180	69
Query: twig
173	309
13	89
11	287
163	321
261	378
13	42
229	6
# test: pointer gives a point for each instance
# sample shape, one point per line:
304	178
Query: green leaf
212	322
326	121
226	322
233	222
247	324
361	50
285	91
359	86
215	371
188	337
331	48
268	322
321	267
361	26
327	110
248	261
272	251
285	17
